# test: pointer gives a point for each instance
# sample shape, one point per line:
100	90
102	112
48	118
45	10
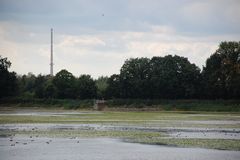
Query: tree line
168	77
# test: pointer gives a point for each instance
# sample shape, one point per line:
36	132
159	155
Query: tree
86	87
160	77
44	87
40	83
65	84
101	84
5	64
27	85
8	80
173	77
50	90
113	88
221	74
134	76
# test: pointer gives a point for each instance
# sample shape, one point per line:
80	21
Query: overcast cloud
96	36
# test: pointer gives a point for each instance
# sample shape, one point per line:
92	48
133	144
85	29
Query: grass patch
85	134
223	144
129	104
145	118
177	105
47	103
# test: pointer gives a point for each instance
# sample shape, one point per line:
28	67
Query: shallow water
44	126
176	132
101	149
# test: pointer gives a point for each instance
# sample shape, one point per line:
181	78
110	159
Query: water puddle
26	148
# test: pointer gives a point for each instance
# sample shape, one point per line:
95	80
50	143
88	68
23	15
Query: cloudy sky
96	36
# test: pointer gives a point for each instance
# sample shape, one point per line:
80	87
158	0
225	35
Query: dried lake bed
53	134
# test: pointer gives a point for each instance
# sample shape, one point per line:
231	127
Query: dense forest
168	77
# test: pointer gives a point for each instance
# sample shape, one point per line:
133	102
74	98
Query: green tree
40	83
86	87
65	84
160	77
221	74
27	85
173	77
113	88
8	80
134	76
102	85
50	91
5	64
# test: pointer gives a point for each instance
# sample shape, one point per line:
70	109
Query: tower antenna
51	59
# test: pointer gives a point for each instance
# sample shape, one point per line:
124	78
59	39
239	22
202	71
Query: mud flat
176	132
203	130
25	148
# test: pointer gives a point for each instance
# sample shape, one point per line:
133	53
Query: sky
96	36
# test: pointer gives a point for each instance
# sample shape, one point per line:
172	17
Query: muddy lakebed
102	135
223	133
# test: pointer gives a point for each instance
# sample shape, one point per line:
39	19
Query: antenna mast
51	59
